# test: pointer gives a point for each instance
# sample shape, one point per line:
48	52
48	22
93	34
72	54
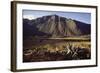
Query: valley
56	50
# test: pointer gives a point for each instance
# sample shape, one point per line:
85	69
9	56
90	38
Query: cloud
30	17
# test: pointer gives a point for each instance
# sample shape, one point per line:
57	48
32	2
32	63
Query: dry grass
71	50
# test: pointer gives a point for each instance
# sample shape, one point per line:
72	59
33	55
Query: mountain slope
55	26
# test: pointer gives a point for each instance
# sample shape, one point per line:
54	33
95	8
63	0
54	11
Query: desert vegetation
63	50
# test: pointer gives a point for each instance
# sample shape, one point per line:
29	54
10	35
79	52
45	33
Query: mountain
54	26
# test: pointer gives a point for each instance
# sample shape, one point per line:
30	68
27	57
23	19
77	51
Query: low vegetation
76	50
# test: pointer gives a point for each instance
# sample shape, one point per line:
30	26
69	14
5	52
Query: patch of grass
58	51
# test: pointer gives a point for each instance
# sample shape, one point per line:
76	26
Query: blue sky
33	14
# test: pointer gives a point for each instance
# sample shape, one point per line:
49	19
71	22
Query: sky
33	14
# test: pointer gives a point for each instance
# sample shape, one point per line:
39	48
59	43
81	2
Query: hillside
54	26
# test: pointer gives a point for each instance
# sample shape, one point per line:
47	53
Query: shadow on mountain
31	30
54	26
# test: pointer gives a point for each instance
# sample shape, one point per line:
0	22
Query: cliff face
55	26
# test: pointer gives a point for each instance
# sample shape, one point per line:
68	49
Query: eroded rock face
55	26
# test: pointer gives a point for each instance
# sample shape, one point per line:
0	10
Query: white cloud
30	17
